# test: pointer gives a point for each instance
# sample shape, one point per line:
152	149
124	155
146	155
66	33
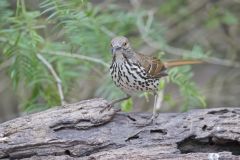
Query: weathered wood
79	131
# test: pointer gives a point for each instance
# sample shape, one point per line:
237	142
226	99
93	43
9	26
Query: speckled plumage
134	72
132	78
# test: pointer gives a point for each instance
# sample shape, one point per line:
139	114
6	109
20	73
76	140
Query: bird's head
120	44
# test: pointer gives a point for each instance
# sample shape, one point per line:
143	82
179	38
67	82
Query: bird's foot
143	124
151	121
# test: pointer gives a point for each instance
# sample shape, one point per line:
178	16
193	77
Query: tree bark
80	131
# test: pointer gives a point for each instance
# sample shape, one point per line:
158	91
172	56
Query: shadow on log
79	131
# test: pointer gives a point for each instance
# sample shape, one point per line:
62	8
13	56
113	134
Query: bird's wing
155	68
152	65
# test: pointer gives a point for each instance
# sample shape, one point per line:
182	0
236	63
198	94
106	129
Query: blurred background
45	42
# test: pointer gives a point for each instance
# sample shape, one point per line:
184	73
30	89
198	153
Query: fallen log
80	131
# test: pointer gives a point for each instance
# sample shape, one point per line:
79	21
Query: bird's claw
145	123
151	121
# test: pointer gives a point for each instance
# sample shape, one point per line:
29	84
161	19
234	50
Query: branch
212	60
107	32
56	77
80	131
177	51
82	57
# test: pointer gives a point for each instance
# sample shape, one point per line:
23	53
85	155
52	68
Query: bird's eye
125	43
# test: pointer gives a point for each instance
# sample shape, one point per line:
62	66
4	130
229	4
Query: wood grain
79	131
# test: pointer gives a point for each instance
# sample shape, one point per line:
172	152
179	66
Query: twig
107	31
149	20
136	4
56	77
195	8
82	57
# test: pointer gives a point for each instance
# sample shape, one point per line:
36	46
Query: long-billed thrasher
134	72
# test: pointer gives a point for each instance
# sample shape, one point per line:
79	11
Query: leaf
161	84
229	18
197	52
126	106
188	89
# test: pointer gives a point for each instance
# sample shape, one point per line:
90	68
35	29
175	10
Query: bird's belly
132	80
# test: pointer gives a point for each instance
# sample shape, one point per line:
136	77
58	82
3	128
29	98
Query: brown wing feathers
153	66
156	68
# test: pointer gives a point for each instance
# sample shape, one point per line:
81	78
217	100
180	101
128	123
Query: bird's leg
155	109
111	104
154	114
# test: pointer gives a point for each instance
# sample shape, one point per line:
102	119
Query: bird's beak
115	49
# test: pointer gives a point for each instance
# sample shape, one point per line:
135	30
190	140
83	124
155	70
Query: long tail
174	63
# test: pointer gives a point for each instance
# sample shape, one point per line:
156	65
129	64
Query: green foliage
77	27
218	16
5	13
190	93
171	6
229	18
40	86
126	106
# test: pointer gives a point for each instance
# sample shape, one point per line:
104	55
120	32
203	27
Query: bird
134	73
